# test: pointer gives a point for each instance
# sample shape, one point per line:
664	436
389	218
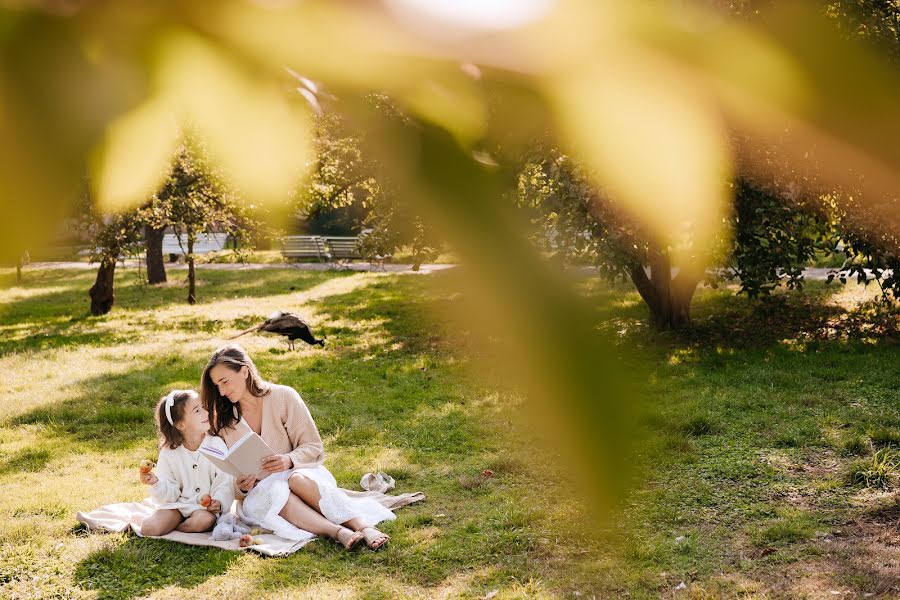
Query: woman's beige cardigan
287	427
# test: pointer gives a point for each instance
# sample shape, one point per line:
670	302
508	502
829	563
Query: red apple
246	540
205	500
146	466
487	473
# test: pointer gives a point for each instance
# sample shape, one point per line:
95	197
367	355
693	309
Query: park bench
343	249
204	244
304	246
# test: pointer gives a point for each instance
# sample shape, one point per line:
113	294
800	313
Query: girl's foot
348	538
375	539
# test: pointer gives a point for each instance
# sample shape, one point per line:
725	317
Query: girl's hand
214	506
277	463
148	478
246	483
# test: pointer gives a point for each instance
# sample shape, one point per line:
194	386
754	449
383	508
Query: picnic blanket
125	516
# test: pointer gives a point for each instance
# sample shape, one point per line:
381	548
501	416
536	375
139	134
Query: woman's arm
302	432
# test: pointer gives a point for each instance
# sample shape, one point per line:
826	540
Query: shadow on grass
139	566
106	413
60	318
359	395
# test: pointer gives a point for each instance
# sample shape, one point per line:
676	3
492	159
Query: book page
247	454
214	456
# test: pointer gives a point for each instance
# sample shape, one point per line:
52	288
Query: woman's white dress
261	507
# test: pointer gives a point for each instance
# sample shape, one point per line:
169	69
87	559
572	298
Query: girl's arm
302	431
166	489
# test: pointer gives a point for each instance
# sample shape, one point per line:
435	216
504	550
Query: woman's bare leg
308	491
161	522
301	515
200	520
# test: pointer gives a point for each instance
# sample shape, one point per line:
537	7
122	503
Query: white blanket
130	515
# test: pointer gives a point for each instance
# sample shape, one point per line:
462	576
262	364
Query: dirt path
359	266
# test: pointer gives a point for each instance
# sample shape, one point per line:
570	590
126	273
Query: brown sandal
352	542
375	540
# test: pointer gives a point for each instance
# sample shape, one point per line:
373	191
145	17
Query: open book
243	458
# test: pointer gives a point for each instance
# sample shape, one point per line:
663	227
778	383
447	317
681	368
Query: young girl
183	476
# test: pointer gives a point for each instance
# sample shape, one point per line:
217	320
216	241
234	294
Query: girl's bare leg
200	520
161	522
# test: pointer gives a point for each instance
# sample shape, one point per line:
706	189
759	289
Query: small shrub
469	482
855	445
878	472
885	437
699	424
679	445
788	440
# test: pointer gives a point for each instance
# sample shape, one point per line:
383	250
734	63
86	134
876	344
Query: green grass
750	430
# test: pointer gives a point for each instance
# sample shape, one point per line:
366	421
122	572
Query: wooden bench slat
205	243
303	246
343	247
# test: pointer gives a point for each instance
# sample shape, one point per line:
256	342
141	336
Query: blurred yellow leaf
452	102
254	132
653	143
135	155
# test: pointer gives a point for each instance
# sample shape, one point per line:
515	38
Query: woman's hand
246	483
276	463
148	478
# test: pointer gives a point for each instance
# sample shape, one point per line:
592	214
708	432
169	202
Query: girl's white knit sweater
185	475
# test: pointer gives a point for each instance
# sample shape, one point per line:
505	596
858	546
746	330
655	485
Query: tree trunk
19	269
192	279
102	296
668	298
156	266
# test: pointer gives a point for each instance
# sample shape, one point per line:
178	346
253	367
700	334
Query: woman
239	400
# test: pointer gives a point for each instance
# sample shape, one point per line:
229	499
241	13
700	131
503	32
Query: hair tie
170	402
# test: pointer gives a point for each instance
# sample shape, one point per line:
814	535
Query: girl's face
194	419
231	384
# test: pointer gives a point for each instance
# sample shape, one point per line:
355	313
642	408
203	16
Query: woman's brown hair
222	412
169	435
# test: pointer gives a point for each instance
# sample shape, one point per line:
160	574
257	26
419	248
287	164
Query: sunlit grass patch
791	527
742	451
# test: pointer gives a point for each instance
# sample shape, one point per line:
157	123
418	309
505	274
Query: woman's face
231	384
194	419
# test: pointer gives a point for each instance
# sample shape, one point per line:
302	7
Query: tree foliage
348	177
192	201
579	224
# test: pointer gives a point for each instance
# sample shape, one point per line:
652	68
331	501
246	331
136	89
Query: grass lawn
756	476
